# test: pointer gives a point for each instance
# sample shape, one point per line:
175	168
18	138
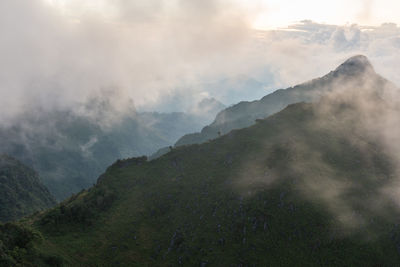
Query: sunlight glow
270	14
281	13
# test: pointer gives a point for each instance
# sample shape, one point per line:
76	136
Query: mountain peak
355	65
205	102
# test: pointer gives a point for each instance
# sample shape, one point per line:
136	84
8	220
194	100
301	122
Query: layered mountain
315	184
353	72
21	190
238	88
71	148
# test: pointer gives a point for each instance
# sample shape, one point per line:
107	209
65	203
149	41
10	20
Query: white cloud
156	50
280	13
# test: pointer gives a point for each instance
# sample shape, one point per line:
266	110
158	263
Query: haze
58	53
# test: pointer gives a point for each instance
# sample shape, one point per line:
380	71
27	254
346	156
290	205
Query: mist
145	50
341	151
57	56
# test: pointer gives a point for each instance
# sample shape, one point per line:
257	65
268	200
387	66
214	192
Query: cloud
145	48
307	50
341	152
60	55
366	14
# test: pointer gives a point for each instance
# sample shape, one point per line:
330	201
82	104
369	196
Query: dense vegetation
21	191
313	185
295	189
16	247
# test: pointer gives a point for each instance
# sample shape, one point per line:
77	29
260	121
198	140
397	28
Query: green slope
305	187
21	191
17	247
316	184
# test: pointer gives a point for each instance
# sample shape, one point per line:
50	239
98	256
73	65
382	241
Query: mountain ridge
313	184
350	73
258	195
355	65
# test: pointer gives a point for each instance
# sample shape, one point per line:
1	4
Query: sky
272	14
280	13
168	55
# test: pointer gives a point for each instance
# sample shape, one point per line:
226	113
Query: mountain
21	190
208	107
202	113
244	114
71	148
238	88
315	184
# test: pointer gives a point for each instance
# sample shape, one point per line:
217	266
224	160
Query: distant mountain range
350	73
21	190
315	184
71	148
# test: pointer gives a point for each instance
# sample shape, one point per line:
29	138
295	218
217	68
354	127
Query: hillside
70	148
21	190
312	185
244	114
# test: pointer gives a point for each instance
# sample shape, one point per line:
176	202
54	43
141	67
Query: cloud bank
154	52
145	49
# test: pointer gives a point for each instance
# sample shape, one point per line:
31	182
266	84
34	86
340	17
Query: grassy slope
292	190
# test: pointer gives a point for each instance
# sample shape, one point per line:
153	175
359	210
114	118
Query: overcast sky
280	13
57	53
272	13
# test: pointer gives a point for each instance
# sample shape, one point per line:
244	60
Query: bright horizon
265	14
281	13
157	51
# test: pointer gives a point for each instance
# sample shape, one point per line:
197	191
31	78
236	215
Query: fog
154	51
54	60
341	153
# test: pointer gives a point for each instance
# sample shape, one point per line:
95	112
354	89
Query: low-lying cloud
154	50
145	49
